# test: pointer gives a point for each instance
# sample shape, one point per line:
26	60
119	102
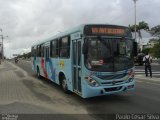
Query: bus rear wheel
38	73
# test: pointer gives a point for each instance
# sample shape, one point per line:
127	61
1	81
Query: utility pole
2	37
1	49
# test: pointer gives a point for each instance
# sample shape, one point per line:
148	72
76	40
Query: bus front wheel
64	84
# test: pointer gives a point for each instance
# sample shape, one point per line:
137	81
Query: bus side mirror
135	50
84	48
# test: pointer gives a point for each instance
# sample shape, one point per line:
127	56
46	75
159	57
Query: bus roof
70	31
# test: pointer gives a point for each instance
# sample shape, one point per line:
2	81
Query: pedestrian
147	59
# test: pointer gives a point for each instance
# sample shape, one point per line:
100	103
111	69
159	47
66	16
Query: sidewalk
24	94
15	97
11	86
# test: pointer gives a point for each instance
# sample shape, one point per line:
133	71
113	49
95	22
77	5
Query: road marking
152	71
151	79
148	82
139	81
140	75
139	70
26	61
144	72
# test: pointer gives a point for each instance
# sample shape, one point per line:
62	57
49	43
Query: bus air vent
113	89
110	77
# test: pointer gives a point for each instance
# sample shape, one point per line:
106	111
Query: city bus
89	60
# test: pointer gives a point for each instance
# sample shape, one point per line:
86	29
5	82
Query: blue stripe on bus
52	70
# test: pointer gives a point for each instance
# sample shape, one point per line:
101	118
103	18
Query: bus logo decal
61	63
43	68
52	70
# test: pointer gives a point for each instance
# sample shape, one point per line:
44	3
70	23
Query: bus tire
38	73
64	84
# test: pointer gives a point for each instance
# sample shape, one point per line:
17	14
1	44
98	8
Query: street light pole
135	16
3	47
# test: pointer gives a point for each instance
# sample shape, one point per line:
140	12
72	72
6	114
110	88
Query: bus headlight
131	73
92	82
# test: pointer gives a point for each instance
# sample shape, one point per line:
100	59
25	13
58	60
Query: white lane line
144	72
138	81
148	82
152	79
140	75
26	61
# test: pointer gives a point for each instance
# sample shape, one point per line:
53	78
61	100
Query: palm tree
141	26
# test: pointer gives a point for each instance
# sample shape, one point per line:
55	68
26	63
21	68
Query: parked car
139	59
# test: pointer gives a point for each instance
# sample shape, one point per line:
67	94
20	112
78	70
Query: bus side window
37	51
47	53
54	49
42	51
64	47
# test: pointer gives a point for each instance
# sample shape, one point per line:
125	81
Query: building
150	43
146	40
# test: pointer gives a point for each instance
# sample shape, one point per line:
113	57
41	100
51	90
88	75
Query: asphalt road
155	70
145	98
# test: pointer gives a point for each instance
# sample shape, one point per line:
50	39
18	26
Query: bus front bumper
89	91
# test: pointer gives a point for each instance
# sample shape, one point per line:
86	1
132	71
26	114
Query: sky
27	22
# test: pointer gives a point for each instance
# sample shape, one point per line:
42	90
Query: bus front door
76	46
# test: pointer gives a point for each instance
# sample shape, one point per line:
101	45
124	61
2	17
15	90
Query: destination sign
96	30
104	30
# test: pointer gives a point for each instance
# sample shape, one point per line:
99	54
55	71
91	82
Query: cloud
29	21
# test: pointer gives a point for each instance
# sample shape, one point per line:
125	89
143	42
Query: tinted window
109	54
54	48
42	51
64	47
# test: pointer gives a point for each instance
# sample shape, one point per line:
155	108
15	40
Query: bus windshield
108	54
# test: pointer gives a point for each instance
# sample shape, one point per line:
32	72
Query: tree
146	50
141	26
155	31
155	51
132	27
